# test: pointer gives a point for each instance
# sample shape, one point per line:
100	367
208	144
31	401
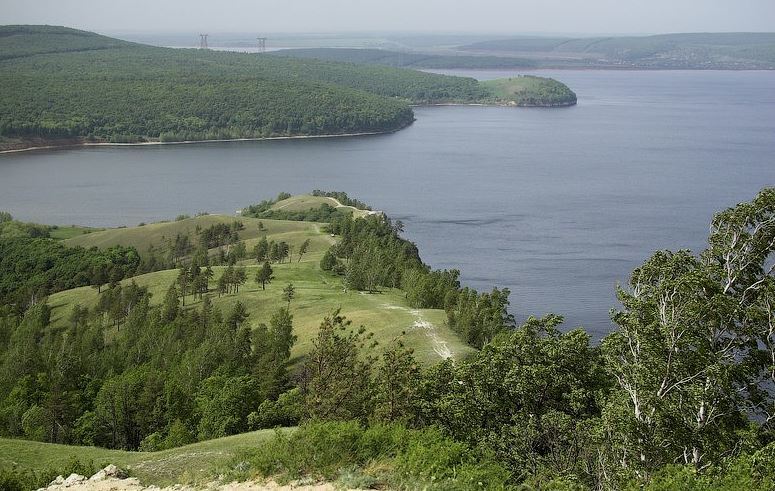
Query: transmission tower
261	45
203	41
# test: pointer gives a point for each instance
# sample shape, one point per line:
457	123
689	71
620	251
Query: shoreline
495	104
190	142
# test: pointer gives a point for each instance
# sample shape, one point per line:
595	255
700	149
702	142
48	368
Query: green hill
725	51
65	84
195	463
386	314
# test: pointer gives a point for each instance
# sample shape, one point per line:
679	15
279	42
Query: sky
475	16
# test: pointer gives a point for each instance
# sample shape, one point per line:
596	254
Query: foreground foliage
679	396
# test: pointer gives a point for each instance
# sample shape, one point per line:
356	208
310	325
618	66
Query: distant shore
55	146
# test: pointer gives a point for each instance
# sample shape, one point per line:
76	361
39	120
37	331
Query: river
559	205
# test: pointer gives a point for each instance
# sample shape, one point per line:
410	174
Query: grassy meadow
195	463
318	292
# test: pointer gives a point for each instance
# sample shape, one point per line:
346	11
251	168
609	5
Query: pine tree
264	275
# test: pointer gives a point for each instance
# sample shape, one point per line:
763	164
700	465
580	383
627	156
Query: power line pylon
203	41
261	45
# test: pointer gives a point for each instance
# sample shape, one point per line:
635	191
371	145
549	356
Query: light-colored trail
440	346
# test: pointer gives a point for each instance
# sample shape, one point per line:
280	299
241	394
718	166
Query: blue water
556	204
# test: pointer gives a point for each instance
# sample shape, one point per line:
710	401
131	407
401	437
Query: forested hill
721	51
407	59
61	83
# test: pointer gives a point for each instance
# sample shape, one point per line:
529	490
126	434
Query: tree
239	278
261	250
99	276
237	316
171	304
238	250
288	293
283	251
694	344
264	275
328	262
338	371
397	382
303	249
183	282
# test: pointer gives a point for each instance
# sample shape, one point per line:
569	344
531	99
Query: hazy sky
501	16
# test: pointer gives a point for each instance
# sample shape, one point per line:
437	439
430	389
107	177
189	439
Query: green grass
195	463
158	234
68	232
318	293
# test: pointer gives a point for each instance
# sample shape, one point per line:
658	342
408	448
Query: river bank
80	143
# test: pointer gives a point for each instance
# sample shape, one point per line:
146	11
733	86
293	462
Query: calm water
558	205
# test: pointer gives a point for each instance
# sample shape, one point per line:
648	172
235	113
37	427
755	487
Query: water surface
556	204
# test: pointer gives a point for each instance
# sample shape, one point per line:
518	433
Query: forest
678	396
62	83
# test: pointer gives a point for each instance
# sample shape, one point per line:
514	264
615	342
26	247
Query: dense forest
62	83
678	396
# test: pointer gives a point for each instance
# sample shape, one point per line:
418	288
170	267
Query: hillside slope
65	84
386	314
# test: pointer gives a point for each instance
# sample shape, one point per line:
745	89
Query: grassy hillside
62	83
195	463
528	90
306	202
687	51
386	314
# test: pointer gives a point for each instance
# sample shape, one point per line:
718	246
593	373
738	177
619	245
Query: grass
195	463
158	234
304	202
68	232
318	292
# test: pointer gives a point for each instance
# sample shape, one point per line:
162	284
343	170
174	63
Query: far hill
408	59
719	51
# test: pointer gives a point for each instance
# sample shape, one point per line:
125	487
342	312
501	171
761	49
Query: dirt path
331	240
420	322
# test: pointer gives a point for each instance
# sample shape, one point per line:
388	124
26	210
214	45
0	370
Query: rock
99	476
57	481
110	471
73	479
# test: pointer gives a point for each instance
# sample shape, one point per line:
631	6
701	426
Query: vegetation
724	51
679	396
129	92
407	59
320	206
32	268
528	90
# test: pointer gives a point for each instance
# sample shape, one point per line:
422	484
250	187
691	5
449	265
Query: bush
379	455
287	410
